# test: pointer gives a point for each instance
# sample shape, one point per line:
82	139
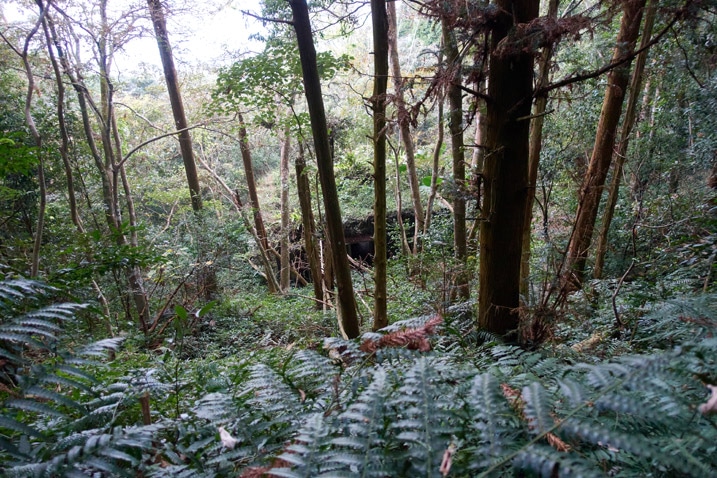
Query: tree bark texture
593	185
378	104
175	99
285	270
510	86
436	156
348	315
37	138
455	126
107	168
254	197
404	122
309	226
621	154
62	124
535	146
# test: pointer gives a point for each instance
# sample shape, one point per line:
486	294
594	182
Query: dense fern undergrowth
428	396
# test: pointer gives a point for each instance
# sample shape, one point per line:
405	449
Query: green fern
492	425
424	422
361	442
45	398
307	452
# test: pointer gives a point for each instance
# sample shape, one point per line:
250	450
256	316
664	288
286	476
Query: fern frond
51	378
33	406
11	424
361	443
15	290
425	424
492	424
10	336
101	347
75	372
537	409
573	391
603	375
601	436
48	395
311	373
214	407
548	463
307	453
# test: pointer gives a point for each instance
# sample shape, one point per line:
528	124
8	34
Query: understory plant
424	397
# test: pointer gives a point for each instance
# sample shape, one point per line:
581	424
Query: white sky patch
200	37
200	32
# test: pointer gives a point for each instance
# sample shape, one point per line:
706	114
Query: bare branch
266	19
152	140
611	66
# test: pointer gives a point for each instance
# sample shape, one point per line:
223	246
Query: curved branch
152	140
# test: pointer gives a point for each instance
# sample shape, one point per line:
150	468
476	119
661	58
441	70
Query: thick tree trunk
175	99
510	86
591	191
378	104
404	123
309	227
285	270
348	316
455	126
627	124
535	145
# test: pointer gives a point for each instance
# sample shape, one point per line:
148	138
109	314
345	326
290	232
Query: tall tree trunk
37	138
404	122
62	123
378	105
627	124
285	270
405	246
175	99
455	126
591	191
436	157
109	170
348	315
477	156
309	227
510	86
535	145
254	197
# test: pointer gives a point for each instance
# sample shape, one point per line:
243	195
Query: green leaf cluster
264	82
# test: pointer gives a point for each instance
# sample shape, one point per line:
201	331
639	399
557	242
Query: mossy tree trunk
285	270
254	199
